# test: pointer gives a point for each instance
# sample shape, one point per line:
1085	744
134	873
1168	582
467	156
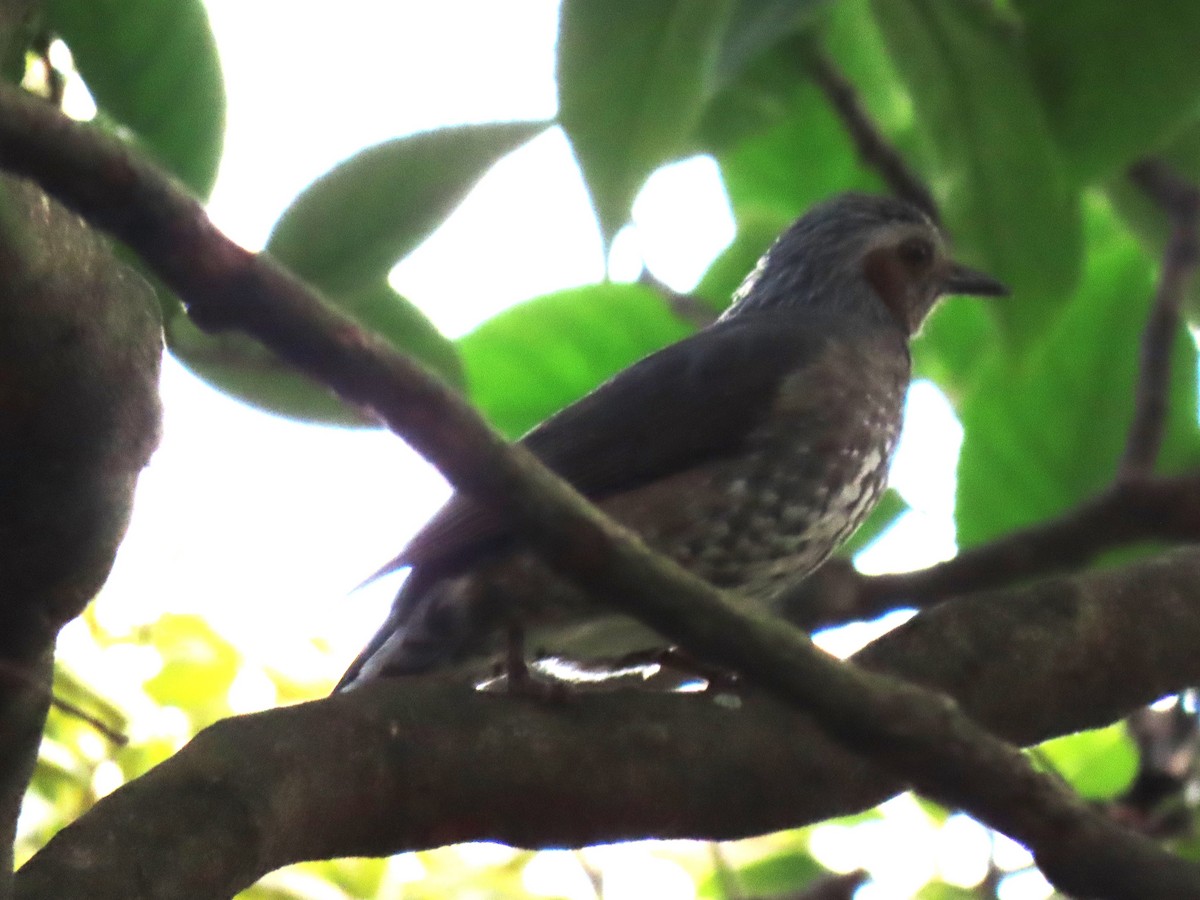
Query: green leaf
20	33
69	687
633	79
891	507
758	25
354	223
534	359
752	100
1148	219
853	39
785	873
1043	433
153	67
1004	191
241	366
947	351
343	235
1099	765
760	65
806	157
936	890
1117	78
198	666
378	308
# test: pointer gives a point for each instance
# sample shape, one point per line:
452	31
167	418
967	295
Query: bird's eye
916	253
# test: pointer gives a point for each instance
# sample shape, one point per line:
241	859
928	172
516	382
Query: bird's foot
514	675
681	665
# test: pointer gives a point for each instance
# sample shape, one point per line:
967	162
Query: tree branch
23	704
919	735
1128	512
1180	200
873	148
383	770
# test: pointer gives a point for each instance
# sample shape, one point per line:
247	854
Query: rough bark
423	762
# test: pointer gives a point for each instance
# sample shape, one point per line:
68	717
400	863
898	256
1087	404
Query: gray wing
685	405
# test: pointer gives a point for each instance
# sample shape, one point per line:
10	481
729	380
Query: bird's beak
961	280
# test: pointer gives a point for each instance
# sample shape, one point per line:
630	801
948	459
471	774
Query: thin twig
1180	200
723	874
873	148
17	673
77	712
1126	513
691	309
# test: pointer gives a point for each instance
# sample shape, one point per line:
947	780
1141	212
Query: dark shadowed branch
1180	200
873	148
919	735
34	680
1132	511
382	770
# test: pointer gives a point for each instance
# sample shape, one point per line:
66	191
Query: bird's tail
430	625
394	565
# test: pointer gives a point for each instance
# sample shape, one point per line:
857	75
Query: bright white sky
264	525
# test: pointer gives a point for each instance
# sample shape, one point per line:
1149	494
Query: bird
746	452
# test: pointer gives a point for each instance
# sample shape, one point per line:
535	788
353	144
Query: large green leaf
378	308
1043	433
353	224
852	38
752	100
1117	77
760	64
948	349
1005	193
534	359
757	25
1099	764
244	368
153	67
633	79
198	666
784	874
806	157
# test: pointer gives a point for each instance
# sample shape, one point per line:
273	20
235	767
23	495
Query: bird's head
858	254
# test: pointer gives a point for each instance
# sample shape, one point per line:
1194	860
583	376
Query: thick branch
1131	511
909	730
24	698
383	770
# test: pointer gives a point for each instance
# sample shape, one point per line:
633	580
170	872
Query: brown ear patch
889	276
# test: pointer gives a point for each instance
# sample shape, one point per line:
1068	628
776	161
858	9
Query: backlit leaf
354	223
633	79
535	358
153	68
